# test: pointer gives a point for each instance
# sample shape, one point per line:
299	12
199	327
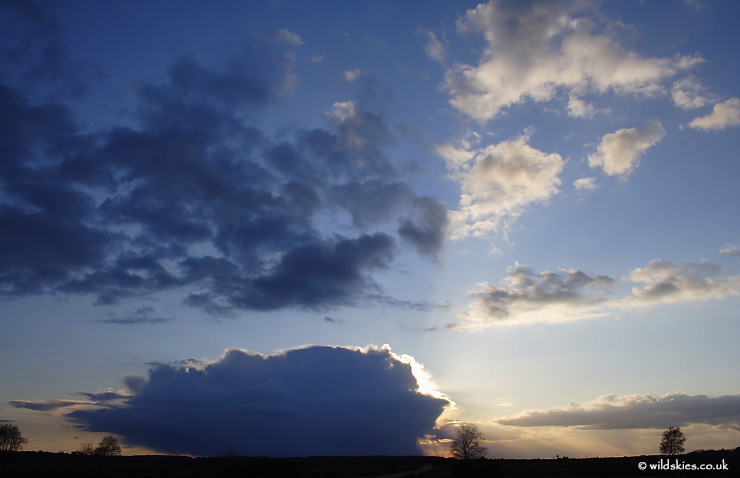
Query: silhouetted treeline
58	465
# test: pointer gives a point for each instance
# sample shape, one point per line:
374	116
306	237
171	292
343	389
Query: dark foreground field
54	465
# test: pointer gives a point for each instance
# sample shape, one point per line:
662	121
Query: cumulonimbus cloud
309	401
612	412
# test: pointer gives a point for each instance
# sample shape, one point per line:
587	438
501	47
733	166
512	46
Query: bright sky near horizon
518	214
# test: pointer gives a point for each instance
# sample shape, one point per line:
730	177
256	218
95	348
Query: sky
297	228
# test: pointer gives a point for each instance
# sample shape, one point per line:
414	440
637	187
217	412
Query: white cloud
435	48
498	182
688	93
723	115
536	49
585	184
342	110
730	250
579	108
666	282
611	412
352	75
619	153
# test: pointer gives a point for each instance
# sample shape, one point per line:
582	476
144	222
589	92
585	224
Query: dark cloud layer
310	401
611	412
196	197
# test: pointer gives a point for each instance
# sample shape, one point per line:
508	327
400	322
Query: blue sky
385	217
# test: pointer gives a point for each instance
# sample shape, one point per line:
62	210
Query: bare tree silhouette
11	438
466	444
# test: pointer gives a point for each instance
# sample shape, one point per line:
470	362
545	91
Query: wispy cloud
143	315
730	249
46	405
287	37
436	48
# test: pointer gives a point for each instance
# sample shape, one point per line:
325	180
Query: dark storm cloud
196	198
44	235
314	274
611	412
32	52
310	401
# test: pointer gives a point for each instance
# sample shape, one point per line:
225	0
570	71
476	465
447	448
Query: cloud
143	315
45	232
436	48
46	405
585	184
619	153
666	282
730	250
570	294
428	233
309	401
498	182
612	412
286	37
550	296
352	75
688	93
535	50
32	53
579	108
194	197
723	116
101	398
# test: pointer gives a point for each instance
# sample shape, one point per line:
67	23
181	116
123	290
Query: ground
38	464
